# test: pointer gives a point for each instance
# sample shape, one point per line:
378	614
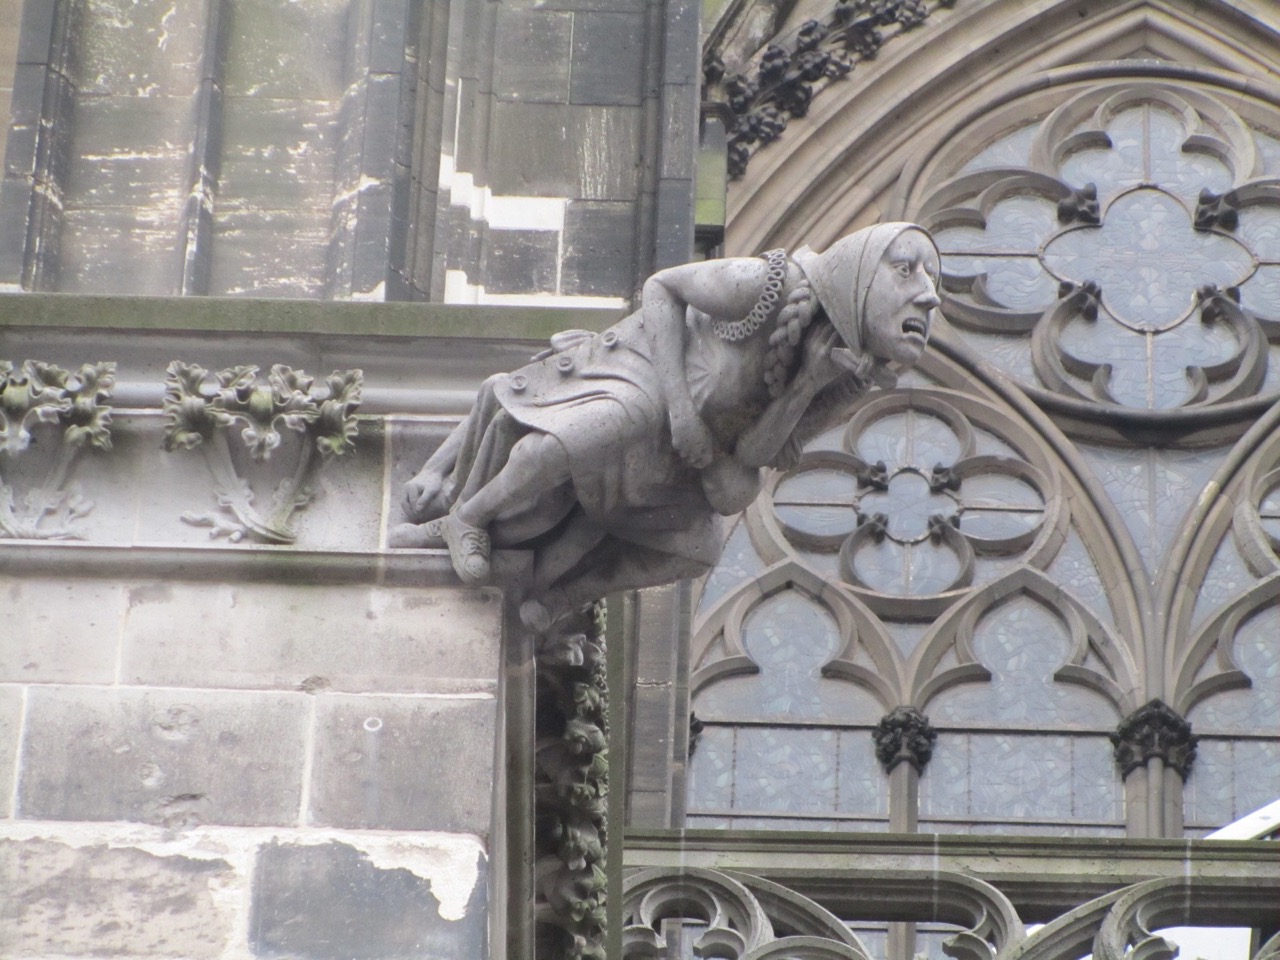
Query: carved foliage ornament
904	734
1154	730
1123	250
200	413
572	787
41	393
781	84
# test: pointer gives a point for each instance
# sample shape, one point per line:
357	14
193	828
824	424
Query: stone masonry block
167	757
531	61
330	900
100	901
59	631
579	152
404	763
608	58
312	637
521	261
599	249
10	724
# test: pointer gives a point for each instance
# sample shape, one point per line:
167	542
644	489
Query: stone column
1154	748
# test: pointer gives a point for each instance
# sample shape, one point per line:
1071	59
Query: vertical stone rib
195	243
37	156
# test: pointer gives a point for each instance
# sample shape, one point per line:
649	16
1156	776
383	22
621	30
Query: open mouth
914	326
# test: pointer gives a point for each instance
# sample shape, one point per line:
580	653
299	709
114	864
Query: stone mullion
1155	750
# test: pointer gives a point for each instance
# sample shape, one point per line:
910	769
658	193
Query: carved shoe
468	549
429	535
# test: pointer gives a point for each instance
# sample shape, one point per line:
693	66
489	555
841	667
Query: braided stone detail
765	305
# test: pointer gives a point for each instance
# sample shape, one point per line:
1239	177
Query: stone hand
692	439
420	492
822	360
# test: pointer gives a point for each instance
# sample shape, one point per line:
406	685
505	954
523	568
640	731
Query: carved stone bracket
1154	730
783	82
42	393
904	734
200	413
571	788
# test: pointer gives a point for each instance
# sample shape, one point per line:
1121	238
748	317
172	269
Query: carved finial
1221	210
1080	206
904	733
1085	296
1154	730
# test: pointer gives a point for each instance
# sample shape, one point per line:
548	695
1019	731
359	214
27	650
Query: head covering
841	275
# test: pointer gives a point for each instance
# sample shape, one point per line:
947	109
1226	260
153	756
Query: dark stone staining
532	60
608	58
599	249
521	261
555	150
327	901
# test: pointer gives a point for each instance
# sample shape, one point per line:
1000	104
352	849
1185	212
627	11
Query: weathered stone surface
403	763
311	637
287	51
551	150
139	47
608	58
100	901
174	758
10	724
107	250
599	249
330	900
522	261
531	62
59	630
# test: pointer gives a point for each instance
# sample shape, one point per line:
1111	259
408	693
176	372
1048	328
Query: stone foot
468	549
429	535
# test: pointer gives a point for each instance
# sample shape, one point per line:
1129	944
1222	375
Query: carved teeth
912	325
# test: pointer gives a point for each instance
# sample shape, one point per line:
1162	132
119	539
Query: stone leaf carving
571	787
904	734
1154	730
780	85
41	393
201	409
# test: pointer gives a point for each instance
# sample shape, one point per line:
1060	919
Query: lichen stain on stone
150	593
99	901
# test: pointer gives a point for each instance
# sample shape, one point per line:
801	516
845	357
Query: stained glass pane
1268	151
1113	168
738	563
1022	643
1256	710
996	524
1074	569
1190	344
1230	780
823	521
1010	150
1096	791
1024	778
1017	283
987	490
1259	230
863	787
1106	341
1176	170
1261	293
817	486
909	439
711	770
1177	479
944	786
785	770
1226	577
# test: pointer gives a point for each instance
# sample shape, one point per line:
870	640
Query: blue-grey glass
711	770
1021	777
1177	170
1096	791
1022	644
1115	168
737	564
790	638
1009	354
907	635
785	770
908	439
796	823
931	568
1073	568
830	439
1106	341
986	490
1208	798
1148	259
819	519
863	786
1257	709
1259	230
1257	769
1260	294
697	821
1226	578
817	486
1178	477
882	566
1018	283
1010	150
1126	476
1268	151
997	524
944	786
826	564
908	503
988	444
874	938
929	942
1017	224
1190	343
